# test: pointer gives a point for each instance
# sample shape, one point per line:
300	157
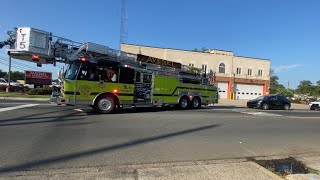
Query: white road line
79	110
261	114
17	107
255	154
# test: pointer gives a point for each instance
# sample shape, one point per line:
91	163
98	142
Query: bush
26	90
16	89
12	89
3	88
40	91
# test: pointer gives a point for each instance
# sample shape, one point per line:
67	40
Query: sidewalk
214	170
243	103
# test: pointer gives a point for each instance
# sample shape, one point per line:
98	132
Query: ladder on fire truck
44	48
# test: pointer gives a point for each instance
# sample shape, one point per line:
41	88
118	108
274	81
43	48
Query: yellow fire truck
107	79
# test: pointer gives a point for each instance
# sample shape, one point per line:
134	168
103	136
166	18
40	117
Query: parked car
4	82
270	102
315	105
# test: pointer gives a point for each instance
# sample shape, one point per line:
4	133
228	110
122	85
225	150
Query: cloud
284	68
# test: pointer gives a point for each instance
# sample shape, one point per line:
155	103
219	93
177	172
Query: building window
260	72
191	64
222	68
204	68
249	72
238	70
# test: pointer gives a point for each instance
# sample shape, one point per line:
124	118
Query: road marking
258	113
17	107
79	110
261	114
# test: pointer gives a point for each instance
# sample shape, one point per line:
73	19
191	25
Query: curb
266	171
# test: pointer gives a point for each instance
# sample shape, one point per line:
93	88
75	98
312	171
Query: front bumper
253	105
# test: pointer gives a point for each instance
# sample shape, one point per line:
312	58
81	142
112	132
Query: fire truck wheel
184	103
196	103
105	105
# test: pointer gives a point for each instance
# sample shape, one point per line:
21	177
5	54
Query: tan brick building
235	76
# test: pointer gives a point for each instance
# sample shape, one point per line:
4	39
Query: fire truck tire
105	105
184	103
196	103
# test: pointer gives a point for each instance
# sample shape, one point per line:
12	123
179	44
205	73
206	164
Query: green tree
306	87
16	75
318	88
2	73
204	49
276	88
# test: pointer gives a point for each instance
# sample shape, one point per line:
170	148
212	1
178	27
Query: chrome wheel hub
195	103
184	103
104	104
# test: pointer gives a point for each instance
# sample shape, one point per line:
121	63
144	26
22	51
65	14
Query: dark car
270	102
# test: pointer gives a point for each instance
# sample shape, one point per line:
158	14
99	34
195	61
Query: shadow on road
71	156
161	109
33	119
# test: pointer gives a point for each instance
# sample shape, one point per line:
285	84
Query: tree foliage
306	87
2	73
200	50
15	75
277	88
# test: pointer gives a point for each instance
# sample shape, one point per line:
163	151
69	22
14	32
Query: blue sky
284	31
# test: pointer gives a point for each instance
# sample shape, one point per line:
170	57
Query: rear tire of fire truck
105	105
184	103
196	103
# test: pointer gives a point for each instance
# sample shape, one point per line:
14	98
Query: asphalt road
43	136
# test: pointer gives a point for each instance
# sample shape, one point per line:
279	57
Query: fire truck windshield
87	71
73	70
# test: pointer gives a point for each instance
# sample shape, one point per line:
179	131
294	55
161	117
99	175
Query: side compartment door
143	88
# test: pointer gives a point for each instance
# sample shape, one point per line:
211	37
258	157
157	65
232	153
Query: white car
4	82
314	105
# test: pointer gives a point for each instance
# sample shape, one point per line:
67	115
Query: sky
284	31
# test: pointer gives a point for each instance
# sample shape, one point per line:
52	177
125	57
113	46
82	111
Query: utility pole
288	84
9	75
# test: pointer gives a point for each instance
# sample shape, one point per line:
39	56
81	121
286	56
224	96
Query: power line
20	67
26	65
11	65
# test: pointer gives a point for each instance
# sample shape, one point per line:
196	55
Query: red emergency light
35	57
83	59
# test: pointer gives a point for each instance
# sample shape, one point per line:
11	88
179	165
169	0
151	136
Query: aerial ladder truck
107	79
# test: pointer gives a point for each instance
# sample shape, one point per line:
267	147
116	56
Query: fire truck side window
126	76
88	72
110	74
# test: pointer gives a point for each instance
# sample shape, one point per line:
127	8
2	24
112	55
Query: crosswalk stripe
17	107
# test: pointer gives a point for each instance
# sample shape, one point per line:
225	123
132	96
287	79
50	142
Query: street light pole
9	75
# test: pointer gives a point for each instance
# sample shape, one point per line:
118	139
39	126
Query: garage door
222	89
248	91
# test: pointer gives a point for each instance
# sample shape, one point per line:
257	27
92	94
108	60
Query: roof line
176	48
252	58
195	51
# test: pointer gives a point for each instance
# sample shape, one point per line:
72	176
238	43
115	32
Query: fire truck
108	79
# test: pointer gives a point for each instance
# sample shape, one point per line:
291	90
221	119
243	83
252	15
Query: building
236	77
